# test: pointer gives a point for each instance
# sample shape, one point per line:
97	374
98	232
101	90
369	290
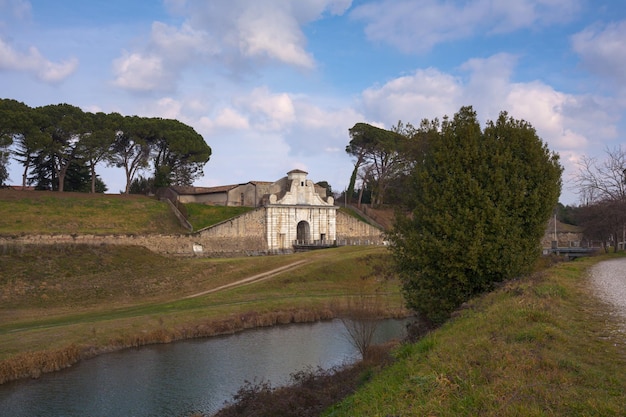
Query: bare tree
604	180
362	321
602	187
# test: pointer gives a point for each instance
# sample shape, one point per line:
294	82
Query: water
181	378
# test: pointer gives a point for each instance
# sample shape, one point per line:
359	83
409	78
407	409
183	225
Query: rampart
352	231
241	235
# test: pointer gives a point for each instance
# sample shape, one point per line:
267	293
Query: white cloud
181	44
139	72
544	108
157	68
603	50
35	63
428	93
226	119
267	110
570	124
234	35
272	32
417	26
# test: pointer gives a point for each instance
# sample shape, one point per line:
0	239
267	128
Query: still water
181	378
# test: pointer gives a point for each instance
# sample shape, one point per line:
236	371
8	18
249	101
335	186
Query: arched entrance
303	235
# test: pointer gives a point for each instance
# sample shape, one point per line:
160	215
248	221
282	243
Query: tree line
60	147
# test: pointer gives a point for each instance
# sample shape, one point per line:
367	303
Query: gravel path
608	281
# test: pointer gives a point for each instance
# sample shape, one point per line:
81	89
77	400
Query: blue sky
274	85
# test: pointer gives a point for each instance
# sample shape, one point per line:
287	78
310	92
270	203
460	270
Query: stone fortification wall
165	244
176	245
242	235
352	231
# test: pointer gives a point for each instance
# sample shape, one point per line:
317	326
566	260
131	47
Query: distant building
291	213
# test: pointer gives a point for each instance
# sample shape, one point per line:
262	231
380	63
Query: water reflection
181	378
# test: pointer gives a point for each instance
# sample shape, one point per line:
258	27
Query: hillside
42	212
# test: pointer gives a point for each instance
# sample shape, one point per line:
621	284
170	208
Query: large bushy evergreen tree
479	201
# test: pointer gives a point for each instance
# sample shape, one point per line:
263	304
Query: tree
601	221
130	150
377	156
327	187
6	136
79	178
63	125
177	151
4	161
97	143
20	127
479	202
180	153
602	187
602	181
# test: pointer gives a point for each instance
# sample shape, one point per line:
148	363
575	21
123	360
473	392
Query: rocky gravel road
608	282
608	279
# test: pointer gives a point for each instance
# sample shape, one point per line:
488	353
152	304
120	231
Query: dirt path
255	278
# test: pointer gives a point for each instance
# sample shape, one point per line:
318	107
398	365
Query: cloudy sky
274	85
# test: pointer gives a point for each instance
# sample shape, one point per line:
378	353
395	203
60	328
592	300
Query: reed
34	364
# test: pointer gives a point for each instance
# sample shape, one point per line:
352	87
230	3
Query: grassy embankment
63	303
541	346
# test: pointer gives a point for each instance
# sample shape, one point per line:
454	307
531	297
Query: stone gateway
289	214
293	214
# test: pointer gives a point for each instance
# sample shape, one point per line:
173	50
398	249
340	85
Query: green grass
42	212
541	346
59	298
353	213
202	215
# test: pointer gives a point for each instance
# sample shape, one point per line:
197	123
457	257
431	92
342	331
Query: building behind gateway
291	213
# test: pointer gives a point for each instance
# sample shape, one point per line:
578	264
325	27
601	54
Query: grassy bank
44	212
542	346
63	303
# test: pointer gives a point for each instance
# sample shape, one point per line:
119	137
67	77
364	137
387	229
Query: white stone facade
298	214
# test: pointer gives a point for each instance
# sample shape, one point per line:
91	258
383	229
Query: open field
62	303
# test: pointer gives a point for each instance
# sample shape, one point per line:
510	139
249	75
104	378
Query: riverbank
66	303
543	345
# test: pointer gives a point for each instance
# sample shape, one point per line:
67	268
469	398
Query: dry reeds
34	364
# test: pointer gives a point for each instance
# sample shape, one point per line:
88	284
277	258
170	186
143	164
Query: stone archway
303	234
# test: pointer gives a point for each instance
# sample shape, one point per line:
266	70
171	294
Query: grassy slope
40	212
202	215
62	303
542	346
27	212
59	303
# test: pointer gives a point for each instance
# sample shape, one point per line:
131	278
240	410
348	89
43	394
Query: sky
274	85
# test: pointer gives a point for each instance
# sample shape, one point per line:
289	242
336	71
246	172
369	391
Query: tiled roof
203	190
